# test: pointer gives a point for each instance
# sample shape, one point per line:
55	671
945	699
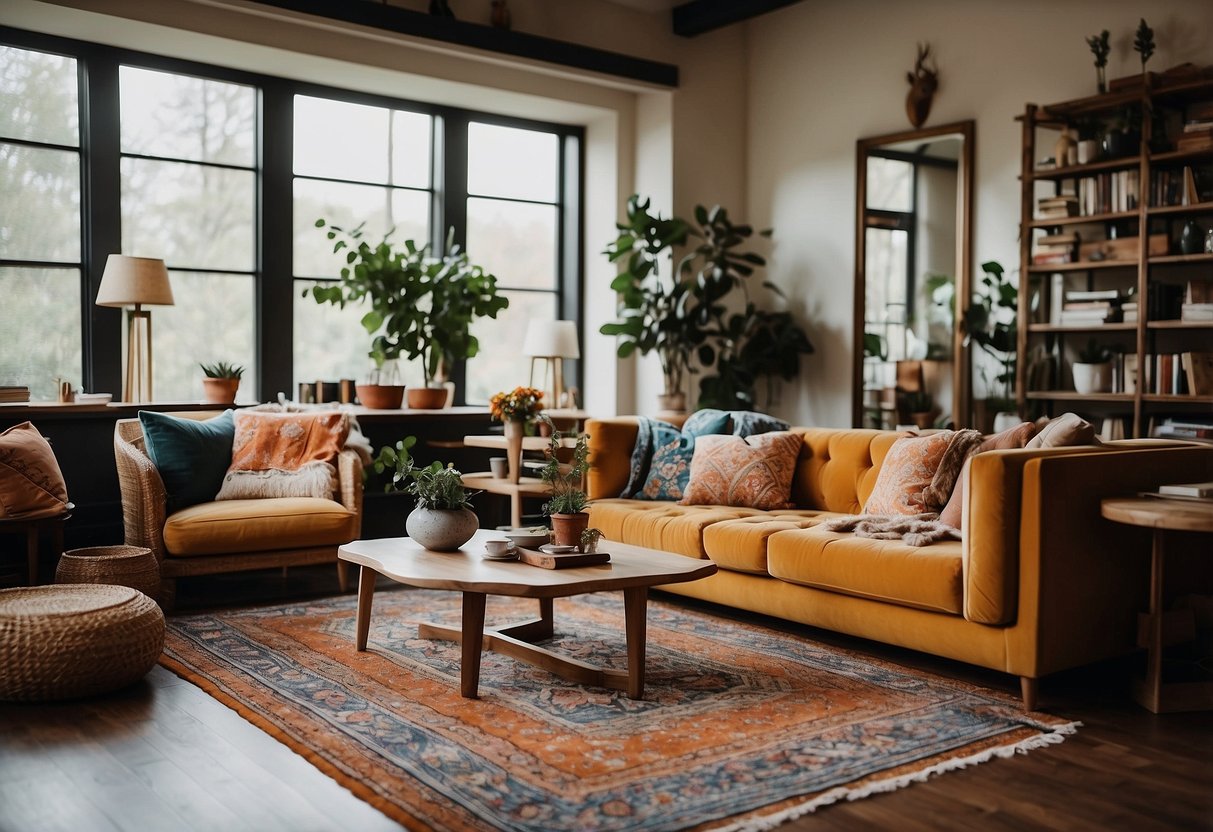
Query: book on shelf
1092	294
1197	140
1198	370
1112	191
1196	312
14	393
1199	111
1188	489
1057	207
1063	239
1165	375
1164	301
1175	187
1124	373
1112	428
1128	312
1051	258
1202	125
1172	428
1199	290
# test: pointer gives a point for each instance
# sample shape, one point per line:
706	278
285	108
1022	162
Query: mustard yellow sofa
1040	583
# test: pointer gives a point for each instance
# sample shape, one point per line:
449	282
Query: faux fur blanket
911	529
313	479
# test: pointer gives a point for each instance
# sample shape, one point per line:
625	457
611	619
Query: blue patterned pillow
670	468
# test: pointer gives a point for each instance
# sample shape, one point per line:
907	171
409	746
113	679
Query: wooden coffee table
632	569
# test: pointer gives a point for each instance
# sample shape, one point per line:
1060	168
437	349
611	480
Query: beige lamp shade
551	339
134	281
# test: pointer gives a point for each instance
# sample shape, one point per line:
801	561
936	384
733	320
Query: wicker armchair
145	514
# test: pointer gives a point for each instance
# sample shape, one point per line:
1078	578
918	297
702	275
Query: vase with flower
516	409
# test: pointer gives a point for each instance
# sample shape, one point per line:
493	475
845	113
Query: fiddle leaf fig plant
990	322
421	306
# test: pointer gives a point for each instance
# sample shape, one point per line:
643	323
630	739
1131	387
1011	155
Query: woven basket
133	566
61	642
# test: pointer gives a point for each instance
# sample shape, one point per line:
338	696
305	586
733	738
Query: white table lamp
552	341
136	281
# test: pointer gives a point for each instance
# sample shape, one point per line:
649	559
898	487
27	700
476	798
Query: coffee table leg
472	642
635	604
366	592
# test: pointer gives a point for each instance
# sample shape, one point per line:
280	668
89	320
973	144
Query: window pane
40	322
500	364
889	183
411	141
885	267
39	204
331	343
188	215
210	320
514	240
187	118
38	97
341	140
510	162
347	206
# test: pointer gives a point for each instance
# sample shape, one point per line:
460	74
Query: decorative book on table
561	560
1203	490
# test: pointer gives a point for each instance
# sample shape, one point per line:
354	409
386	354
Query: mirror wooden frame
964	262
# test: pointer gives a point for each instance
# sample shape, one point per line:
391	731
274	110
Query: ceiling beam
700	16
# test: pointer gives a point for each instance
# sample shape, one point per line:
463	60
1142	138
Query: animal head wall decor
924	81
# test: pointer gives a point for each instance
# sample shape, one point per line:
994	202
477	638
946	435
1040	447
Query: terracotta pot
923	420
567	528
380	396
441	530
220	390
426	398
672	403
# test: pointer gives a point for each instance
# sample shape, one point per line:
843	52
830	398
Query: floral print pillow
753	472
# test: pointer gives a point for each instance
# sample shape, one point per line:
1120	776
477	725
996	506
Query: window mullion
275	216
453	203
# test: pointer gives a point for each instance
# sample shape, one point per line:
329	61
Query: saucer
553	549
510	555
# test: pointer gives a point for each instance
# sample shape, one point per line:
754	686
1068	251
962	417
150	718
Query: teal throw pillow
670	469
191	456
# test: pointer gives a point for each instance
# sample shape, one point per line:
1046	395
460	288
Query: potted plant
1093	369
515	409
567	504
990	322
421	306
220	383
921	407
588	542
443	519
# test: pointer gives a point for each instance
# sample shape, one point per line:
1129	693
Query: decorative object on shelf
1093	369
442	519
551	341
1143	43
421	306
1192	238
567	504
1123	134
380	396
589	540
137	282
924	81
221	381
991	322
1065	150
1100	48
516	409
500	15
1209	241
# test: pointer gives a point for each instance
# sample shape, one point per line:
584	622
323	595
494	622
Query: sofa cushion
191	455
1067	430
237	526
670	468
741	545
754	472
666	526
30	479
1013	437
924	577
906	477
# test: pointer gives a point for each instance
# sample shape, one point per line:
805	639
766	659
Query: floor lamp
136	281
553	341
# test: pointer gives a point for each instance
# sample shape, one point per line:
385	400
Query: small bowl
527	538
553	549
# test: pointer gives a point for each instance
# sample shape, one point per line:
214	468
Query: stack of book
1113	191
1184	428
1055	248
14	393
1198	301
1101	306
1057	207
1198	128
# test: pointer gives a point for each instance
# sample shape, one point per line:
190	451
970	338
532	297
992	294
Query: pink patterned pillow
750	471
908	470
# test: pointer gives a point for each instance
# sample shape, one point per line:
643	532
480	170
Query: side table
514	487
31	525
1160	627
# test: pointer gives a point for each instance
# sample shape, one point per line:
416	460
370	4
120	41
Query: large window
40	249
223	174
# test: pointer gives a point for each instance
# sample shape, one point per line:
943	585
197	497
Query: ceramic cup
498	547
499	465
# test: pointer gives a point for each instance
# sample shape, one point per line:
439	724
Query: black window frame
101	232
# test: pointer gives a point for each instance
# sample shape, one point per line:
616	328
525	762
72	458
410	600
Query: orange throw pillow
908	470
30	479
749	471
287	441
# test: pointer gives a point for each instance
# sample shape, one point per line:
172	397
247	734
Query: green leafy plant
221	369
565	478
421	306
755	345
1100	49
435	485
1143	42
589	539
874	346
990	322
1094	353
918	401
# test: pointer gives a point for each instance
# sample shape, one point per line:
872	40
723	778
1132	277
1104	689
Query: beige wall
824	74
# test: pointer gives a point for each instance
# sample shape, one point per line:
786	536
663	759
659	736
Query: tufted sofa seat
1040	582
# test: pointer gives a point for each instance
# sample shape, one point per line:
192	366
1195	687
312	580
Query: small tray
545	560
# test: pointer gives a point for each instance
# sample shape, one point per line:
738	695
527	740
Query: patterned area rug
742	727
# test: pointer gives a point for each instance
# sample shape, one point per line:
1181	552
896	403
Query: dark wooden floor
163	755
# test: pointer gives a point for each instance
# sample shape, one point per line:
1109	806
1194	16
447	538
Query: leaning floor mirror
914	198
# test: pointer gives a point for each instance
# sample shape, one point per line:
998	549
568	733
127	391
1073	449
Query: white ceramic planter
1093	378
441	529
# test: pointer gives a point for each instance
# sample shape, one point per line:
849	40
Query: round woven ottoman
133	566
61	642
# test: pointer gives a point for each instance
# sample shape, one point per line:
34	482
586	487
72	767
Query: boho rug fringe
765	822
